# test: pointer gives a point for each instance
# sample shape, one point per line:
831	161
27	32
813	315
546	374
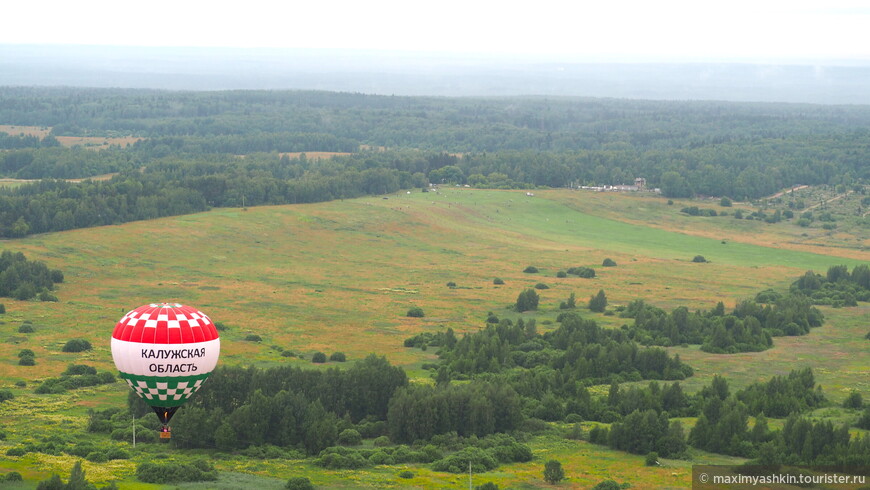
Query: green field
340	276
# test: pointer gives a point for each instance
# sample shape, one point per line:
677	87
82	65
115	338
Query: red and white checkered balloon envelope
165	351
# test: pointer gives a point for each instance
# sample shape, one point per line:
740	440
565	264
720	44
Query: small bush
26	353
531	270
117	453
607	485
699	259
318	358
2	309
25	328
416	312
406	475
252	337
608	263
561	274
79	369
12	476
349	437
381	441
287	353
527	301
220	326
451	284
171	472
97	457
553	472
46	296
27	361
77	345
338	357
584	272
854	400
299	483
16	451
498	281
541	285
6	395
21	384
652	459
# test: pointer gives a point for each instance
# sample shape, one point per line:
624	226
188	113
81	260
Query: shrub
2	308
598	302
77	345
607	485
16	451
725	202
527	301
25	328
584	272
6	395
451	284
252	337
415	312
97	457
487	486
561	274
27	361
608	263
76	369
220	326
171	472
46	296
21	383
406	475
12	476
318	357
299	483
498	281
652	459
349	437
117	453
338	357
699	259
553	472
854	400
480	459
541	285
287	353
531	270
26	353
381	441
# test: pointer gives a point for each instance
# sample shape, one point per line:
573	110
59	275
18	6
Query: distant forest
210	149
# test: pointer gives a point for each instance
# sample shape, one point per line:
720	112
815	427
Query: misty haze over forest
405	73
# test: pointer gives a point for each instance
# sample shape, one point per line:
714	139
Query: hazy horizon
397	72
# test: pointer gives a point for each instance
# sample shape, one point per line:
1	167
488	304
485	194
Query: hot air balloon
165	352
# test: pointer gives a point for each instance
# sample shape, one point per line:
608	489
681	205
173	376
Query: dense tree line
285	406
174	187
838	287
24	279
748	328
685	148
579	349
15	142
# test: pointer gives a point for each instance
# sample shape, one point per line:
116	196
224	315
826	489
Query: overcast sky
623	30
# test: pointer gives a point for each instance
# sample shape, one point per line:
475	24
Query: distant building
639	185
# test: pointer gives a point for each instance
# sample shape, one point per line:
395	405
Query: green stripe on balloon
168	387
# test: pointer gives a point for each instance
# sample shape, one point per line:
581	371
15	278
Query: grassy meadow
340	276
